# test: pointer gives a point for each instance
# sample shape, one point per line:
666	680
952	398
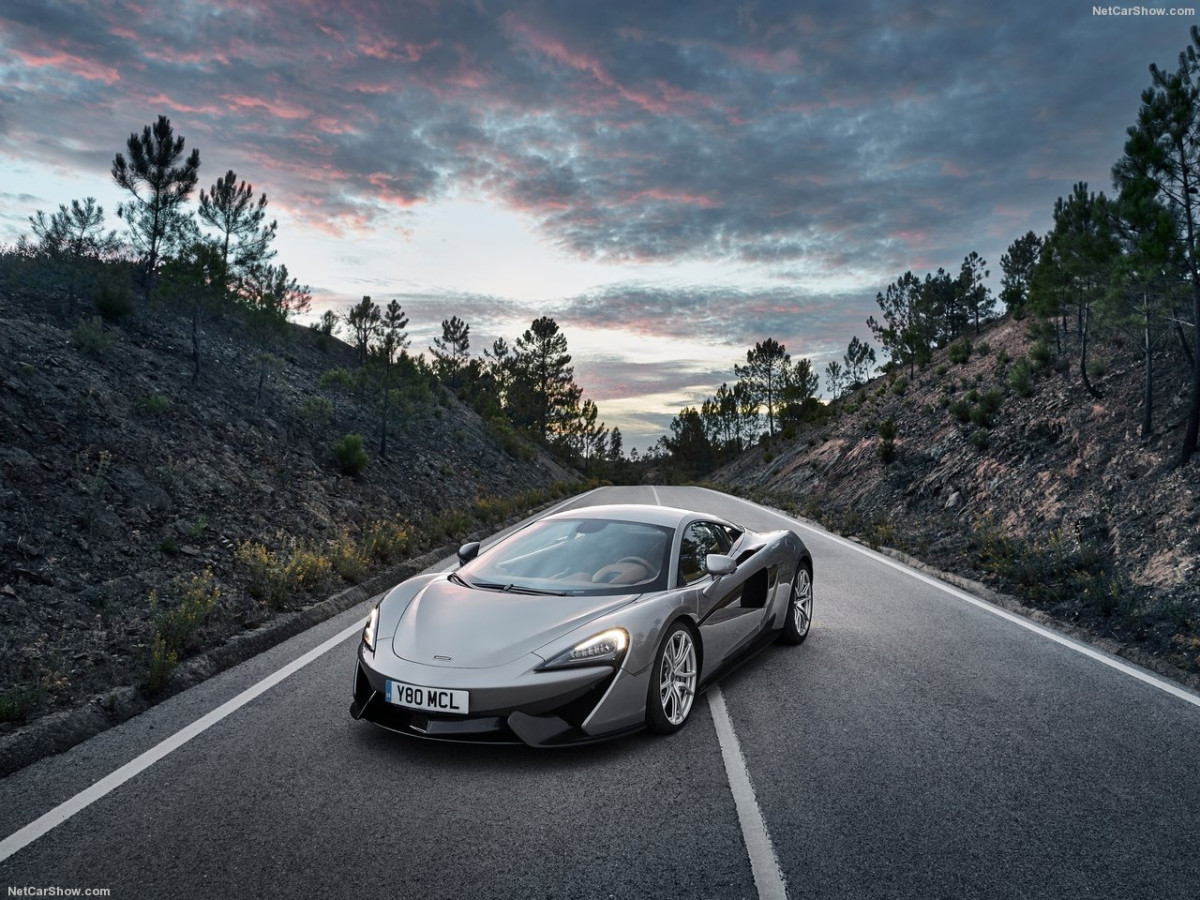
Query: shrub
983	348
90	336
162	663
1097	367
941	370
960	410
351	457
899	386
887	439
178	625
153	405
275	577
1040	355
979	439
386	540
317	411
959	353
114	301
1020	377
347	557
337	380
509	442
15	703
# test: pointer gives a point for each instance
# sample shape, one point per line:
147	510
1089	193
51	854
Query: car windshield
576	556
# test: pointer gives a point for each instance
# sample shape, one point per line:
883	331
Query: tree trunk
1147	410
196	344
1083	346
1193	421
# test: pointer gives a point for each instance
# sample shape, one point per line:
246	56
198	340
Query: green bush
153	405
275	577
15	703
179	624
887	439
959	353
1020	377
162	663
960	410
337	380
899	386
317	411
90	336
351	457
1097	367
1040	355
114	301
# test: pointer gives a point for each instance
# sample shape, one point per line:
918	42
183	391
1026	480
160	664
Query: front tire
800	608
673	680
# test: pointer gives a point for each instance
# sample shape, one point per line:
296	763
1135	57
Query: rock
953	500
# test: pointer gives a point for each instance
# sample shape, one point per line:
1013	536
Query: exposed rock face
1057	469
118	475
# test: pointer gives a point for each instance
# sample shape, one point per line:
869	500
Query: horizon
670	185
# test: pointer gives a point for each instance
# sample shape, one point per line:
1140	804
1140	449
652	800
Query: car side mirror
717	564
468	552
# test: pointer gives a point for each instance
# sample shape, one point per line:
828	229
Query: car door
726	622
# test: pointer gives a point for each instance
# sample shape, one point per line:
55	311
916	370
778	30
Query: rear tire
799	609
673	679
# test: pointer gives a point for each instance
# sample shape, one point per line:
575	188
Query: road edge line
23	837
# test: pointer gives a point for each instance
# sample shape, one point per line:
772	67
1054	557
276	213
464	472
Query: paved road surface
917	746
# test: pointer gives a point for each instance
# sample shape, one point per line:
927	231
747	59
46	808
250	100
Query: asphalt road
918	745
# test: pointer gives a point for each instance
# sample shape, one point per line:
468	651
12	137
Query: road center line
85	798
763	863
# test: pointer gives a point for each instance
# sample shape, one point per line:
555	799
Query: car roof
651	514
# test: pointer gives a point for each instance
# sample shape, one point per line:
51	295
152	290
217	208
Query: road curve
917	745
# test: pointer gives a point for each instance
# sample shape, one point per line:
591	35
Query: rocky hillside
123	485
1037	489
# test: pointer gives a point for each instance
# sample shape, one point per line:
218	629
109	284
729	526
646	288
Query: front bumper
511	704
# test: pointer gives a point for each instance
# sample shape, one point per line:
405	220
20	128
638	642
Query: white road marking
763	863
653	492
85	798
18	840
1113	662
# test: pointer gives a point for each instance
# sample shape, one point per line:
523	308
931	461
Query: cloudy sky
671	181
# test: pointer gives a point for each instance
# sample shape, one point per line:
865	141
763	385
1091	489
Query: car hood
452	625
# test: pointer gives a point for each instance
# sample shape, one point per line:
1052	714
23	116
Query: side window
699	540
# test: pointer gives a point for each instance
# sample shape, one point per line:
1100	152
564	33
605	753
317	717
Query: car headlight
371	629
606	648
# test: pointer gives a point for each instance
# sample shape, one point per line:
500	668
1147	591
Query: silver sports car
583	625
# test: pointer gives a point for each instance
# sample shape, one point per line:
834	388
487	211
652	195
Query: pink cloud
67	62
281	109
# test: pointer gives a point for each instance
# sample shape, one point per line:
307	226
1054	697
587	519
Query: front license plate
427	698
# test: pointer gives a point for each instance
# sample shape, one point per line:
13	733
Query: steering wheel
637	560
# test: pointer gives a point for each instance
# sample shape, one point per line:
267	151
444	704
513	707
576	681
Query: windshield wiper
515	589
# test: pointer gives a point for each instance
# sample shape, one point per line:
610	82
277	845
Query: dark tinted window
699	540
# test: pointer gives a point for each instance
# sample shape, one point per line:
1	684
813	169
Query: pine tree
763	373
1163	151
451	351
542	390
244	241
160	180
1017	265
